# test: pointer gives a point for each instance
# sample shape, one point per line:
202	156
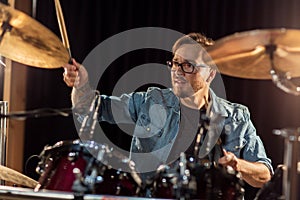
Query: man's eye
176	63
187	64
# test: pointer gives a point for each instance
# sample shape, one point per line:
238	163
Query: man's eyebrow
184	60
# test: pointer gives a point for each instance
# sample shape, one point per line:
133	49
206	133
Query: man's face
185	84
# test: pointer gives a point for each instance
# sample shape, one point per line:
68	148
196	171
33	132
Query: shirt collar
216	106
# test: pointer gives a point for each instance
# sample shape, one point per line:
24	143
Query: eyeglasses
186	67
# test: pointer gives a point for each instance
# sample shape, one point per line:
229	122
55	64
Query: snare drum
71	166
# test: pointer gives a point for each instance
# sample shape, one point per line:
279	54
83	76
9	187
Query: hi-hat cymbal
28	41
13	176
246	55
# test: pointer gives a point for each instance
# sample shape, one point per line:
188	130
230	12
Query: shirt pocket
145	128
236	146
151	121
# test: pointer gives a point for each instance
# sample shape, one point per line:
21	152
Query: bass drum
201	181
70	166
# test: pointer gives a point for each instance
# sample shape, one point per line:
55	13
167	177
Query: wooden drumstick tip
37	187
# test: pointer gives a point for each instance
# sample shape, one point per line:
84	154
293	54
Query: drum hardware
38	113
90	120
86	184
182	187
91	177
291	162
201	179
78	188
3	134
284	183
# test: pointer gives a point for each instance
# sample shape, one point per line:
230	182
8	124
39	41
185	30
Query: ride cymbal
247	54
27	41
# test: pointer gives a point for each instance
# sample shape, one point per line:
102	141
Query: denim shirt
156	116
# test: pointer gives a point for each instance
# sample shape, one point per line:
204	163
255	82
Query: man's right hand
75	75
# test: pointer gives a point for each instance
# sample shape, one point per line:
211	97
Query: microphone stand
88	181
202	127
90	119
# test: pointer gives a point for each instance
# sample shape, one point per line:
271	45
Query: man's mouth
179	81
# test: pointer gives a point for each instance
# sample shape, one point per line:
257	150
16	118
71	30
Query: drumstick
62	27
13	176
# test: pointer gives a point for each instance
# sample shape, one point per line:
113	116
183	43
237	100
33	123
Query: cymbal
13	176
246	54
29	42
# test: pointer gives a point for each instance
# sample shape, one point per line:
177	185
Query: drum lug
78	185
72	156
40	169
91	180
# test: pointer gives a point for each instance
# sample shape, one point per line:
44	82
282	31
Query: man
229	124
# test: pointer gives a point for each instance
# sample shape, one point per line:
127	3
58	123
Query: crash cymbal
28	41
13	176
247	54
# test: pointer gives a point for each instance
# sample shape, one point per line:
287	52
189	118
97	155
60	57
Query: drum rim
63	147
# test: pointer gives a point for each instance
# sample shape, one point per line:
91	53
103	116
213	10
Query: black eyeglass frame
170	65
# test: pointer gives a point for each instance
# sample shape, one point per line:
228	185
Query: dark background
91	22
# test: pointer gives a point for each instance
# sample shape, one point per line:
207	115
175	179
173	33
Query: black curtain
91	22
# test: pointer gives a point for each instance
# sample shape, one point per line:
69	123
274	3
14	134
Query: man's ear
212	74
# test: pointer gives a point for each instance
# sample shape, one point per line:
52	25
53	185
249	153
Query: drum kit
68	170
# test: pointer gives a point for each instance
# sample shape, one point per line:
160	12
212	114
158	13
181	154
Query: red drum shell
59	161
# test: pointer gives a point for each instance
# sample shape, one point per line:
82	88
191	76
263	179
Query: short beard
184	92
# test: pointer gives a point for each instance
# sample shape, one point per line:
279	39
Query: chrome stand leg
3	134
291	157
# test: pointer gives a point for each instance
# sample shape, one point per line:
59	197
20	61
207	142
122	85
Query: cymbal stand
291	156
292	136
3	134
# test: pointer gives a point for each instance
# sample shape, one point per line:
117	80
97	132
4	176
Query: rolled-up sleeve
254	149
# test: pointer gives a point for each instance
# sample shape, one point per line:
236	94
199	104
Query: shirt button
148	129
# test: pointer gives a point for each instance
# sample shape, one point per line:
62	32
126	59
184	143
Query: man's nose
178	71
